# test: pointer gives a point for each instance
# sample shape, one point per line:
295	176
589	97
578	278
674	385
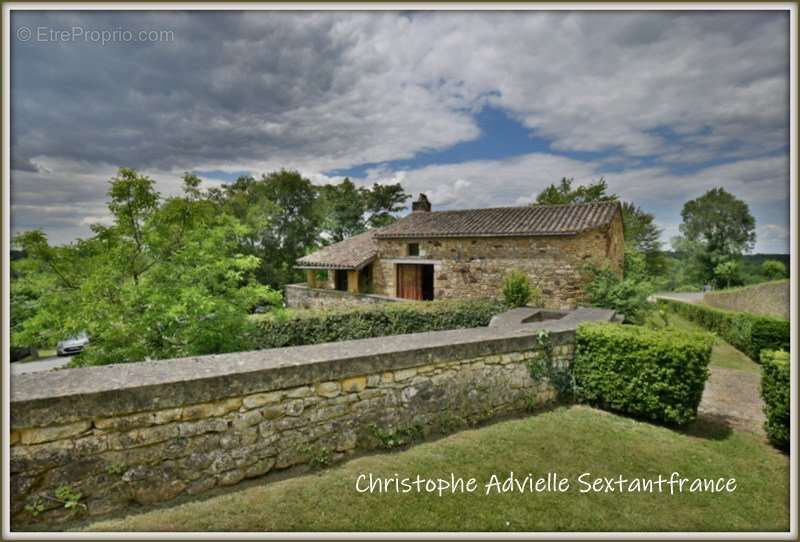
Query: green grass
569	441
722	355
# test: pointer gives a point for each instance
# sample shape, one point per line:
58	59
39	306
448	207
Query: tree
726	272
343	208
382	201
773	269
563	193
643	236
165	279
716	227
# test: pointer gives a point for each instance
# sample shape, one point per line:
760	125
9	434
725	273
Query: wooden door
409	281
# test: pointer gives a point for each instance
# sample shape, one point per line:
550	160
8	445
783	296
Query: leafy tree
773	269
164	280
382	202
716	227
643	236
727	272
563	193
343	208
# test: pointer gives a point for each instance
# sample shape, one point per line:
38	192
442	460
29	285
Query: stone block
302	391
124	423
261	399
168	415
404	374
328	389
143	436
354	384
56	432
247	419
210	410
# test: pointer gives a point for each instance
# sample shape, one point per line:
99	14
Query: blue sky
474	109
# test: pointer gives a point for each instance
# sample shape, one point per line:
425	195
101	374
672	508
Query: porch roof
353	253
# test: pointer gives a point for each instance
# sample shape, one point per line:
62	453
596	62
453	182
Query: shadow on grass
710	426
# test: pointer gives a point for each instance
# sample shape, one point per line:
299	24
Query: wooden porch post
352	281
311	278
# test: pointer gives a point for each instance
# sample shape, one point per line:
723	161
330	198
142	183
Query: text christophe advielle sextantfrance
550	482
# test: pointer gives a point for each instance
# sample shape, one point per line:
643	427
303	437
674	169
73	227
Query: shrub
517	289
294	328
750	333
627	296
657	375
775	390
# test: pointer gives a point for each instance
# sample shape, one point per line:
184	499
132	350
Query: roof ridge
530	206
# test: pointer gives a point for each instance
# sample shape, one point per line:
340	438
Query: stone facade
149	432
475	267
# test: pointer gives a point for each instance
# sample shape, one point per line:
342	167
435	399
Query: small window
413	249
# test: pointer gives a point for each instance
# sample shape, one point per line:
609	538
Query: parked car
73	345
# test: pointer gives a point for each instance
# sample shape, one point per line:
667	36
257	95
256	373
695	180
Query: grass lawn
568	441
723	354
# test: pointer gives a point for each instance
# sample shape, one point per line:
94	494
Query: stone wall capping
70	395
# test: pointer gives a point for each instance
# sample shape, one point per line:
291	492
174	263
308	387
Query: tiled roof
352	253
534	220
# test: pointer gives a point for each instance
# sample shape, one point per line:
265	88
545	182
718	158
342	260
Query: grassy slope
569	441
723	354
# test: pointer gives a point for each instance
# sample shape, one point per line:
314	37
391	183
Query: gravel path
734	398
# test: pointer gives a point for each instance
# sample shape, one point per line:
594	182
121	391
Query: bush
747	332
776	393
627	296
517	289
657	375
294	328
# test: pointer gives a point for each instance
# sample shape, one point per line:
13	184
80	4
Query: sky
475	109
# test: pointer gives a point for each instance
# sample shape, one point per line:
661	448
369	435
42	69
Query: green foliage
773	269
294	328
657	375
642	236
717	227
70	497
35	507
163	280
726	273
517	290
776	392
546	368
563	193
749	333
395	437
626	295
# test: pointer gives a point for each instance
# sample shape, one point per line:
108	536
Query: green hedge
747	332
299	327
657	375
776	394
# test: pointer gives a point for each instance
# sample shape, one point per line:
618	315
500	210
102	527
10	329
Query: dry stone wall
300	296
767	299
91	441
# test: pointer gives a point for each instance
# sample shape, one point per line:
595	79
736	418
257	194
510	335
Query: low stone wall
768	299
91	441
300	296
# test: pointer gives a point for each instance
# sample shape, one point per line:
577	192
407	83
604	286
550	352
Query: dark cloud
235	91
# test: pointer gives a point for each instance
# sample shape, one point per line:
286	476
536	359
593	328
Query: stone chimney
422	204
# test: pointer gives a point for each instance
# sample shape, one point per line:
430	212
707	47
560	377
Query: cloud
256	91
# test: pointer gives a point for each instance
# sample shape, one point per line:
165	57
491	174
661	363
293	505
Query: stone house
466	254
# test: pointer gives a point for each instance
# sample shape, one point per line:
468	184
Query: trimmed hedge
776	393
657	375
747	332
295	328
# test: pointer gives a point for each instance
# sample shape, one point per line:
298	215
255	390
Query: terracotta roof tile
352	253
503	221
